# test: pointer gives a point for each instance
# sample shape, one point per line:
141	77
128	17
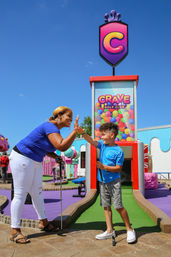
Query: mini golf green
93	217
47	178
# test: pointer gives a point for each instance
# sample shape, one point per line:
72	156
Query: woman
26	165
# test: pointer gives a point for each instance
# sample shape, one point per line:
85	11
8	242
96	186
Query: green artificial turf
47	178
93	217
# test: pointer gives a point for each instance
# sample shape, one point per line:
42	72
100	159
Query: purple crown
114	16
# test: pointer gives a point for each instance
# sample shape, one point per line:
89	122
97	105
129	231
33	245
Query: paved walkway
83	244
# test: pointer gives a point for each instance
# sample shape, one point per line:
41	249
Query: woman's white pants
27	178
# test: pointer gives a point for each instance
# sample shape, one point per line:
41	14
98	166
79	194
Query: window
82	160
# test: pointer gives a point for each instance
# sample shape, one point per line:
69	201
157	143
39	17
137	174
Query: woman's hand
100	165
76	125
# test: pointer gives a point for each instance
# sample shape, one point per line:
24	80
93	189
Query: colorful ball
128	107
131	121
100	111
107	119
98	125
132	127
97	133
98	118
122	129
117	119
97	138
103	115
124	136
113	120
127	131
132	134
129	139
115	113
108	114
97	104
119	137
120	124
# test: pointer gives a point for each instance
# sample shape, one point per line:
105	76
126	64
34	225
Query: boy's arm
89	139
116	168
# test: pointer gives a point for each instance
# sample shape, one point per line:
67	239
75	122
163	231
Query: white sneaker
106	235
131	236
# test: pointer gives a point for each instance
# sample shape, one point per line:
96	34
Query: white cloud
21	94
89	63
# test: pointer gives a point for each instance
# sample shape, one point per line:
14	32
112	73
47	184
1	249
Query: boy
109	167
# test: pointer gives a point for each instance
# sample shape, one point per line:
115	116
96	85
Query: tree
86	125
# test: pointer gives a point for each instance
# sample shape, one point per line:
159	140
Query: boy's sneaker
106	235
131	236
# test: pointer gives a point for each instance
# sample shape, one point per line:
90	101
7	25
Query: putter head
113	241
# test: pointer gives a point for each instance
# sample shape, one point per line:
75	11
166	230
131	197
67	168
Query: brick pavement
83	244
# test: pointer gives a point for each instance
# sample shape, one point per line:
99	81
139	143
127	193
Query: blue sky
50	48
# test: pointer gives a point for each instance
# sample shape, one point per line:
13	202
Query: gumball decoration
132	127
132	135
119	137
115	113
100	111
120	124
124	136
131	121
69	153
98	125
123	117
127	131
113	120
103	115
128	107
108	114
97	133
98	118
107	119
117	119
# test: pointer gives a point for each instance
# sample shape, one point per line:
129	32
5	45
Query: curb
68	216
157	215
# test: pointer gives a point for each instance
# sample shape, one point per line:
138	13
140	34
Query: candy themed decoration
4	146
113	39
123	117
71	160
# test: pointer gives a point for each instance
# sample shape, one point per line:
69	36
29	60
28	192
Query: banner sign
114	102
113	40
